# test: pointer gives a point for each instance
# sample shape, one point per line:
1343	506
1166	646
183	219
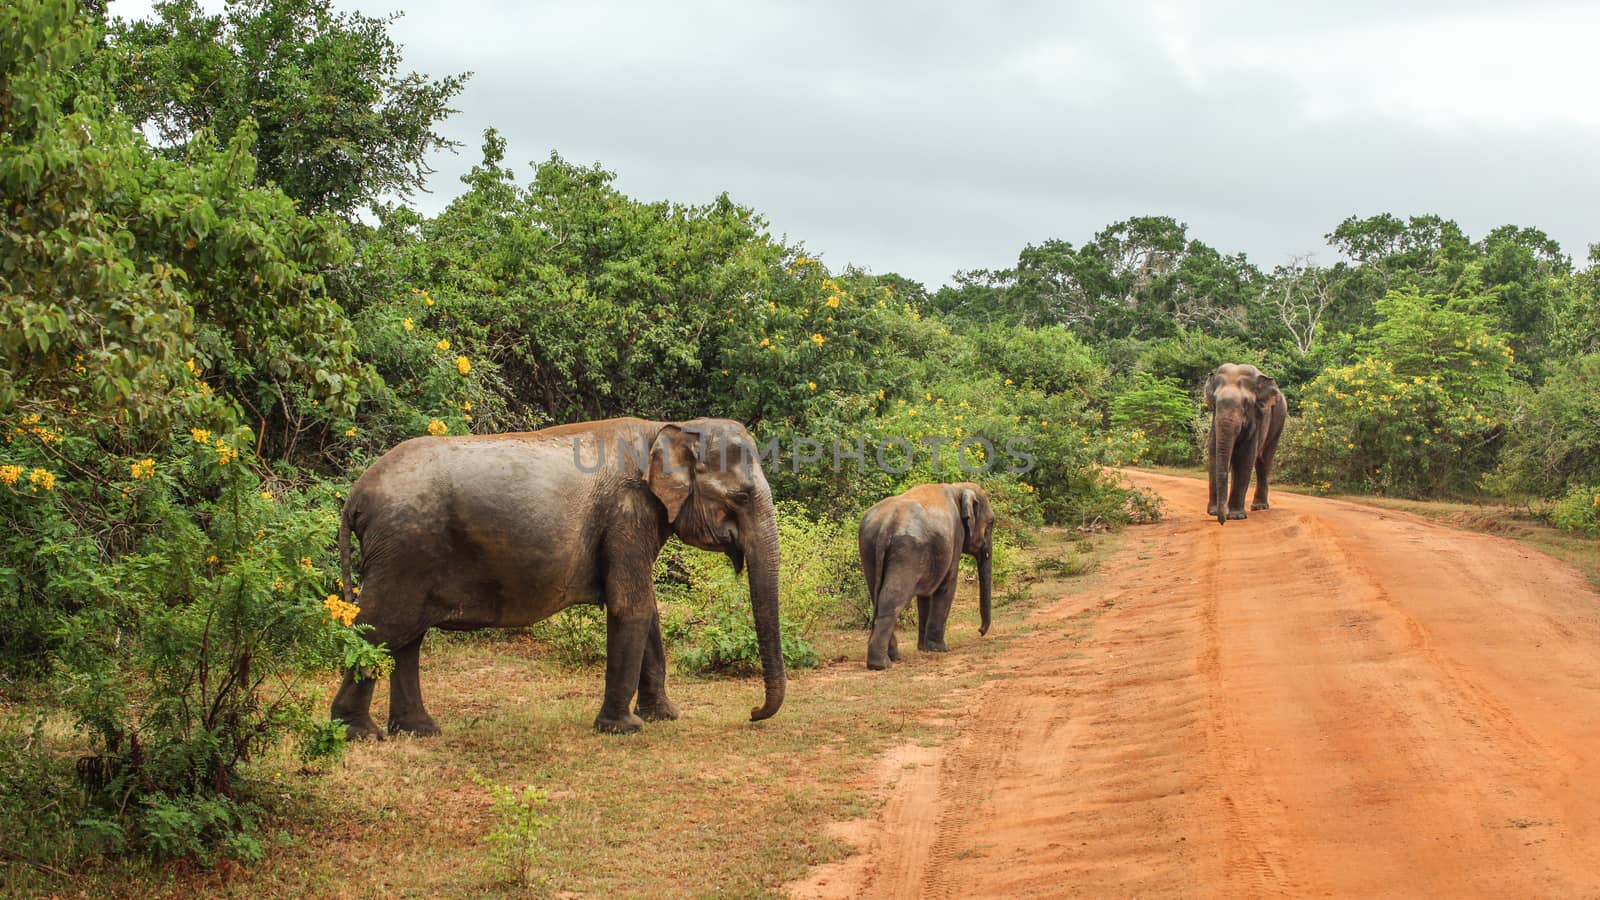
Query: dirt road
1327	699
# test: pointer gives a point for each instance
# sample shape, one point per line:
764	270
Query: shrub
708	618
1578	509
520	818
1366	427
1161	413
1415	416
1553	440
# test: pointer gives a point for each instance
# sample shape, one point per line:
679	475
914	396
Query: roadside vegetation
217	307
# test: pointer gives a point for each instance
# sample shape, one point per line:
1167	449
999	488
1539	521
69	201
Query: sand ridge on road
1325	699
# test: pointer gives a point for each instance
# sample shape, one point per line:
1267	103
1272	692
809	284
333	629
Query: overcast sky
924	138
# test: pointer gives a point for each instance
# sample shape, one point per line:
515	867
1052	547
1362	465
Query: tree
1301	293
337	123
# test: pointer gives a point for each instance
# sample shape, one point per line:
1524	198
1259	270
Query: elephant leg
922	619
653	705
939	604
406	712
1243	460
893	595
894	647
1211	486
1263	469
632	619
353	706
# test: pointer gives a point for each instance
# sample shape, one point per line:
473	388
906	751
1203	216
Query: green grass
710	805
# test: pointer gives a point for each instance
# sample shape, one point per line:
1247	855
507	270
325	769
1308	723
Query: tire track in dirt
1323	699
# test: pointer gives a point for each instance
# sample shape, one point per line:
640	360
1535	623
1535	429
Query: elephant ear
672	461
969	506
1212	384
1266	391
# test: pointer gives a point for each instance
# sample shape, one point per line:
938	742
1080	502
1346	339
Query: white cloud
929	138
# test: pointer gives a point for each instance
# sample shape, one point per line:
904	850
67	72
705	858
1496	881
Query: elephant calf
500	531
911	546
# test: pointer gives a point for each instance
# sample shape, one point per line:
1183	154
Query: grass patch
710	805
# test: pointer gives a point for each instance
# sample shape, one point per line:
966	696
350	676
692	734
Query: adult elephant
500	531
1248	412
911	546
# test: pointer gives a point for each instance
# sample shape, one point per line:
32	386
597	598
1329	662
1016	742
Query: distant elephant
501	531
1248	412
911	546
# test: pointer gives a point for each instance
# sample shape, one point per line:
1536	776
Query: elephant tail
344	554
880	570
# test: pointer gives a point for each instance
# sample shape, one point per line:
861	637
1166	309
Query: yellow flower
463	365
928	397
818	339
267	496
466	405
880	393
225	454
212	559
340	611
1010	382
1028	487
427	300
811	385
10	474
437	427
305	563
42	478
193	369
407	324
349	432
833	302
443	345
142	469
912	411
200	435
765	342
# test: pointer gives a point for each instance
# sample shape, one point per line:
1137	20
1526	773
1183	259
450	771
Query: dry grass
710	805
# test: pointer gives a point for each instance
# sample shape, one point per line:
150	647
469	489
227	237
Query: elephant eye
738	496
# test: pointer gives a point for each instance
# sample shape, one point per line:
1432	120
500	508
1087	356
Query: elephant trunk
985	587
761	552
1225	433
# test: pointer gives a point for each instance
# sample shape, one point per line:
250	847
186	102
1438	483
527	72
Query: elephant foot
662	710
1211	510
1238	514
1260	505
933	647
627	723
879	665
418	724
361	728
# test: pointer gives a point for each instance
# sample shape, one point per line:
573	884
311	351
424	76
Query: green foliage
1161	412
707	616
520	816
1552	439
578	635
334	122
1578	509
1189	357
1367	427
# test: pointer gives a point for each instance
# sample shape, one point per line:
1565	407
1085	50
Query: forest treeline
218	307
